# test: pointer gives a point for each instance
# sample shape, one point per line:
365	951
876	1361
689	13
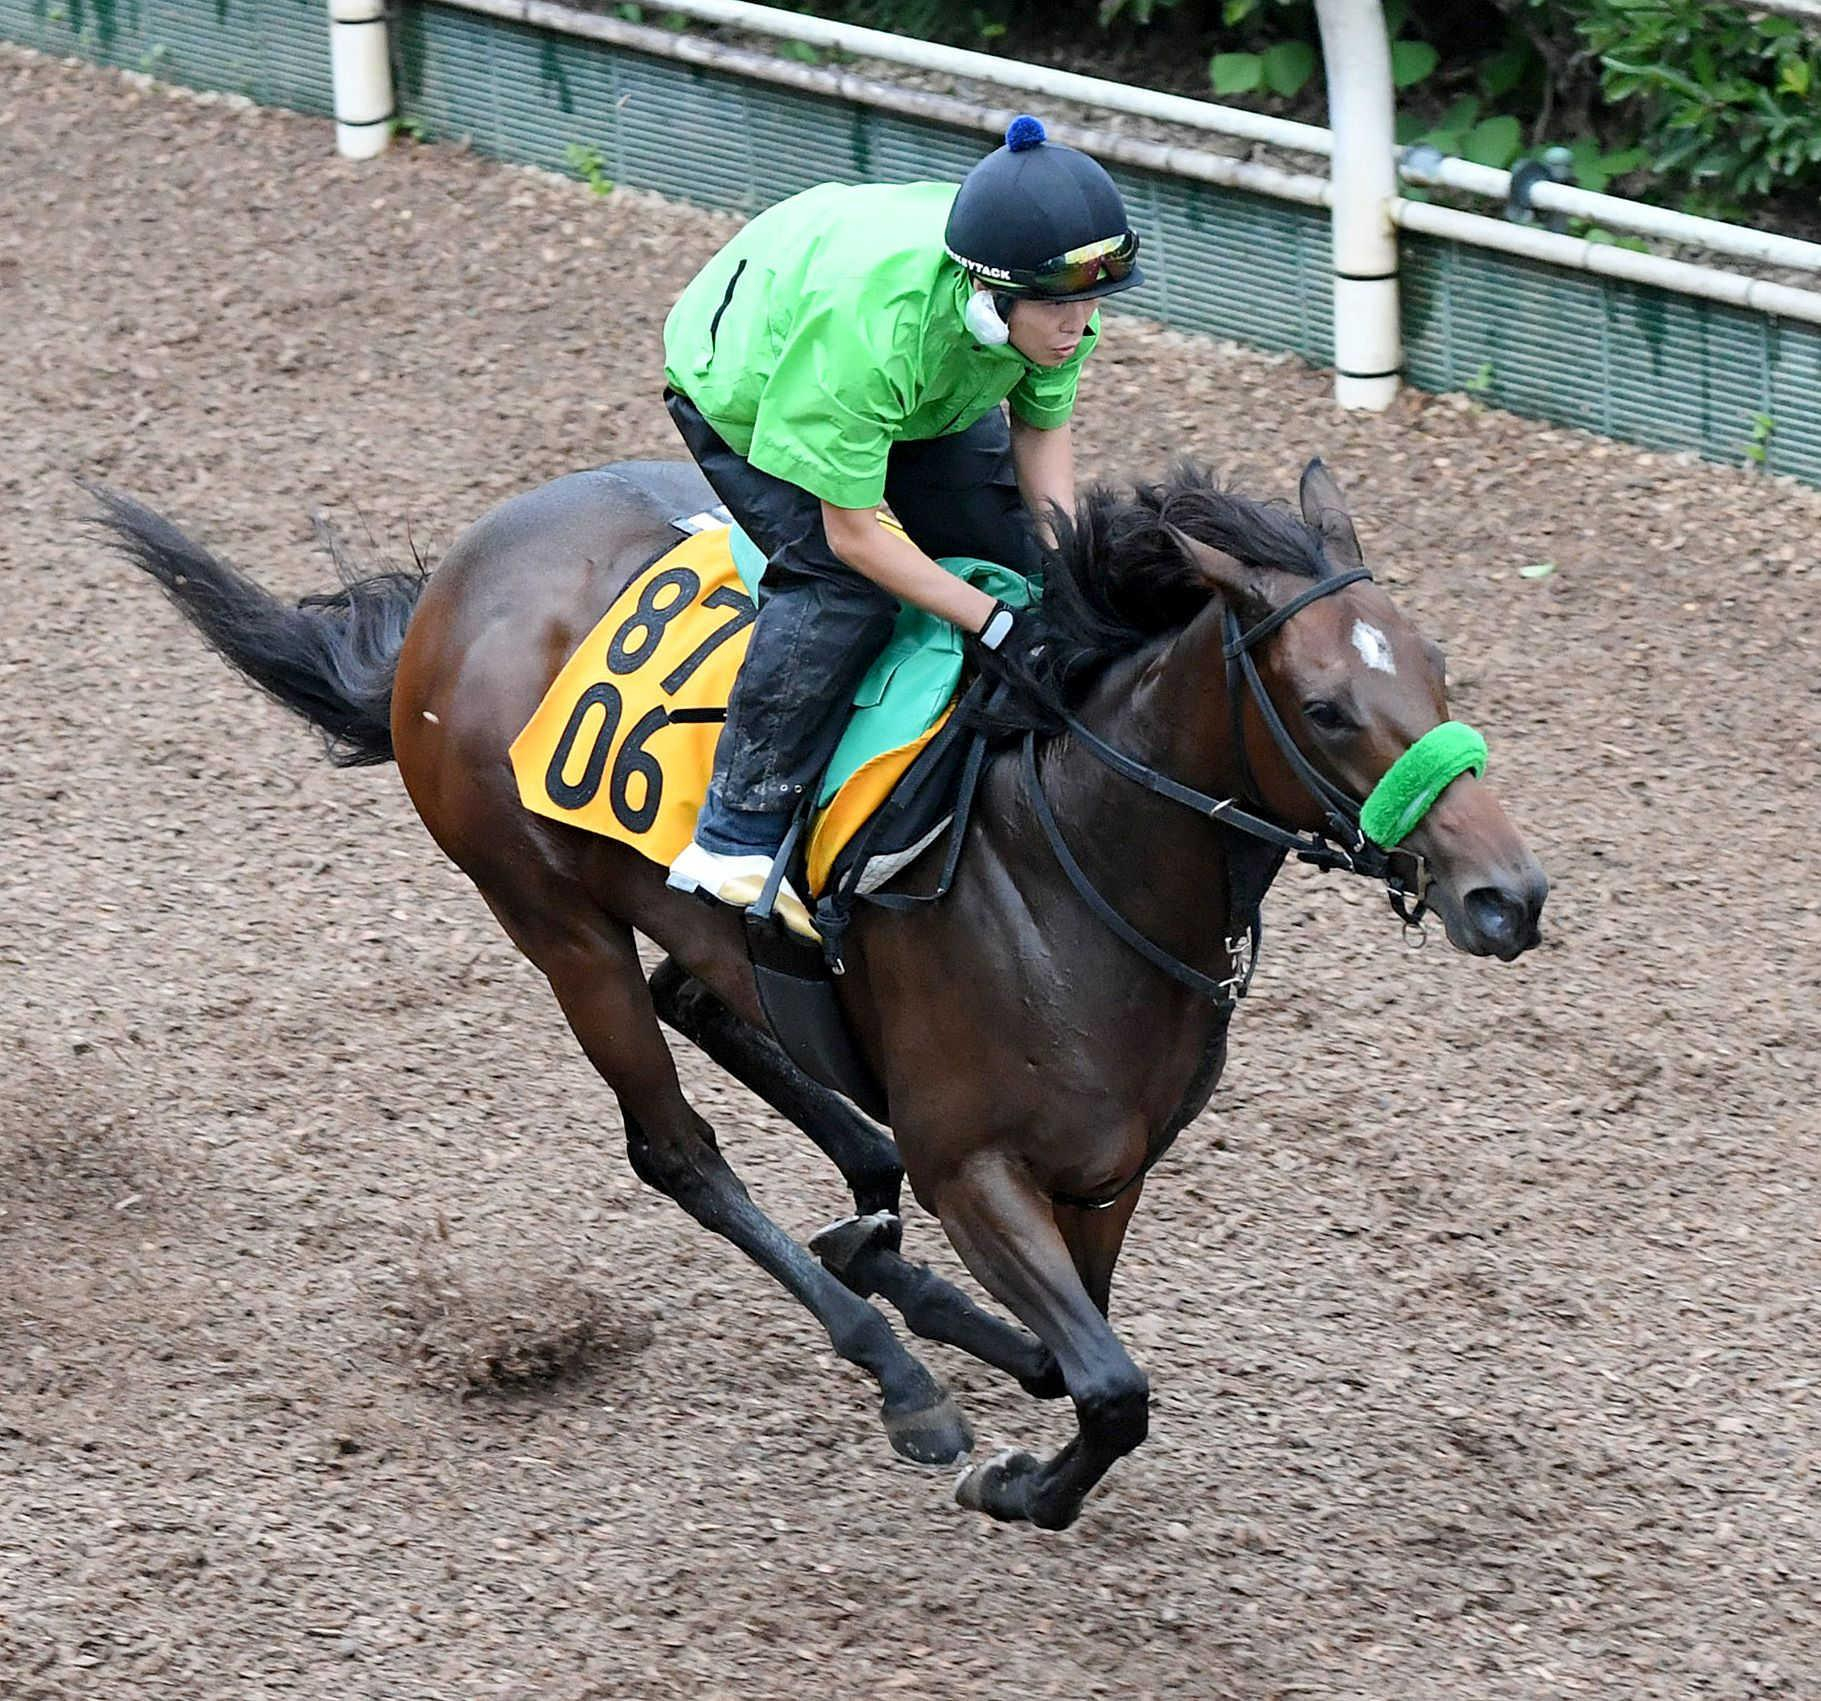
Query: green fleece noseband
1417	778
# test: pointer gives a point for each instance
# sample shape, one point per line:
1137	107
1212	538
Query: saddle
623	743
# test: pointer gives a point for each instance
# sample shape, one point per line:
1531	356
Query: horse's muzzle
1500	920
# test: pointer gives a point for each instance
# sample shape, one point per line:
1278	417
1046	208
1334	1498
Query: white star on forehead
1373	646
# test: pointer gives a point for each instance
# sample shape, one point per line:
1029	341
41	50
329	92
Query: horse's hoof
1000	1486
842	1242
937	1435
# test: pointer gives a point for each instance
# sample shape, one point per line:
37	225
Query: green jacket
830	328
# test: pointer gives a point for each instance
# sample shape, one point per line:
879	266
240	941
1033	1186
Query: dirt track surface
342	1356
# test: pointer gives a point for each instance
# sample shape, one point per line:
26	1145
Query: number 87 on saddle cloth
623	742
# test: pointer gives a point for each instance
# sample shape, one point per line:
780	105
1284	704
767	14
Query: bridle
1356	853
1341	844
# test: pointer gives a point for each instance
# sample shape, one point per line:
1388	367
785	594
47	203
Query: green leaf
1236	73
1288	67
1501	73
1237	11
1462	115
1397	13
1795	77
1411	61
798	50
1537	570
1589	166
1494	142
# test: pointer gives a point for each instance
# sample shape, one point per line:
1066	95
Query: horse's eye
1326	716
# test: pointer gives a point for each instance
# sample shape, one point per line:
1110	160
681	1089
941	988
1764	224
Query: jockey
850	347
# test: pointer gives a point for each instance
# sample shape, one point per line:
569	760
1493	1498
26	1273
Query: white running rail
1361	190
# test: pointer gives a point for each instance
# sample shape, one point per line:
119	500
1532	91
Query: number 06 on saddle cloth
623	742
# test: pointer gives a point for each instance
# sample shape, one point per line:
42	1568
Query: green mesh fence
273	51
1623	359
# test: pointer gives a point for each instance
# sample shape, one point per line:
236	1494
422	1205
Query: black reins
1342	846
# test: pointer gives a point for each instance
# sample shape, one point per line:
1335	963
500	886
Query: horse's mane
1116	579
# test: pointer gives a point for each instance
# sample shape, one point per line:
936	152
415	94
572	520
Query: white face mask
981	316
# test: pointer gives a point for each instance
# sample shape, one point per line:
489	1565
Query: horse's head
1355	686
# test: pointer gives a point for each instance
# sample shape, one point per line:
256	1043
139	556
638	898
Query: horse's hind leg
594	971
866	1155
861	1250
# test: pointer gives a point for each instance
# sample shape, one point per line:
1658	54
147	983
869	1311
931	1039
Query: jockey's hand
1015	646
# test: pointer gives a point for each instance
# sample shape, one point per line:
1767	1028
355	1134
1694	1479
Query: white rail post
360	73
1368	335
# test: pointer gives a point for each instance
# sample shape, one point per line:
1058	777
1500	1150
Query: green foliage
1763	428
1411	62
586	163
1718	104
1236	73
973	24
1598	233
1280	65
1493	139
1140	12
1288	66
1722	96
1594	169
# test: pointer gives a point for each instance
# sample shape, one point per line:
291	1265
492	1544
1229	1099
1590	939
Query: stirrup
737	880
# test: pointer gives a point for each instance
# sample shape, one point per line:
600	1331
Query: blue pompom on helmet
1037	219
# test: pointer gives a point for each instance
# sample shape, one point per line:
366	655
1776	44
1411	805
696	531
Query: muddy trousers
820	624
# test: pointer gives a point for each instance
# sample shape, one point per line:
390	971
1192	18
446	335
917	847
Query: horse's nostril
1497	914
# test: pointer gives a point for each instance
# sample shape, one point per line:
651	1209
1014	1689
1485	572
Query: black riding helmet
1037	219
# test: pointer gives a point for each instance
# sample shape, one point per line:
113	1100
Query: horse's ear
1244	588
1326	510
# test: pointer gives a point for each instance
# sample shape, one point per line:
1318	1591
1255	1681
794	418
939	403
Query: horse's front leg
1006	1231
861	1250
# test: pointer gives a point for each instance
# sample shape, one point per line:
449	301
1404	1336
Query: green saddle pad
914	678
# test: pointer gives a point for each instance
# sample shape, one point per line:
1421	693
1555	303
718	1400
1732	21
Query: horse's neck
1160	863
1171	708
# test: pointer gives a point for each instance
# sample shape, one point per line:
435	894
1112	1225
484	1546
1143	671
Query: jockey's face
1049	332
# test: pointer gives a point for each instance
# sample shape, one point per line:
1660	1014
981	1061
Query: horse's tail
330	658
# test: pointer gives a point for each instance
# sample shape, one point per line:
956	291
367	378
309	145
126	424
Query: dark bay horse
1034	1060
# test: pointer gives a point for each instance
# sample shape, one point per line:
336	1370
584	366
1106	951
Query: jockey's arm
1045	463
896	564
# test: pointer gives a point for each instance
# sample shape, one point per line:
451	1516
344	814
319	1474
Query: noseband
1342	844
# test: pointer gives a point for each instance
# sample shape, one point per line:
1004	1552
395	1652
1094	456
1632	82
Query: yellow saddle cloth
623	742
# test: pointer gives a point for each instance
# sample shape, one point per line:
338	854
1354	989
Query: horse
1227	674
